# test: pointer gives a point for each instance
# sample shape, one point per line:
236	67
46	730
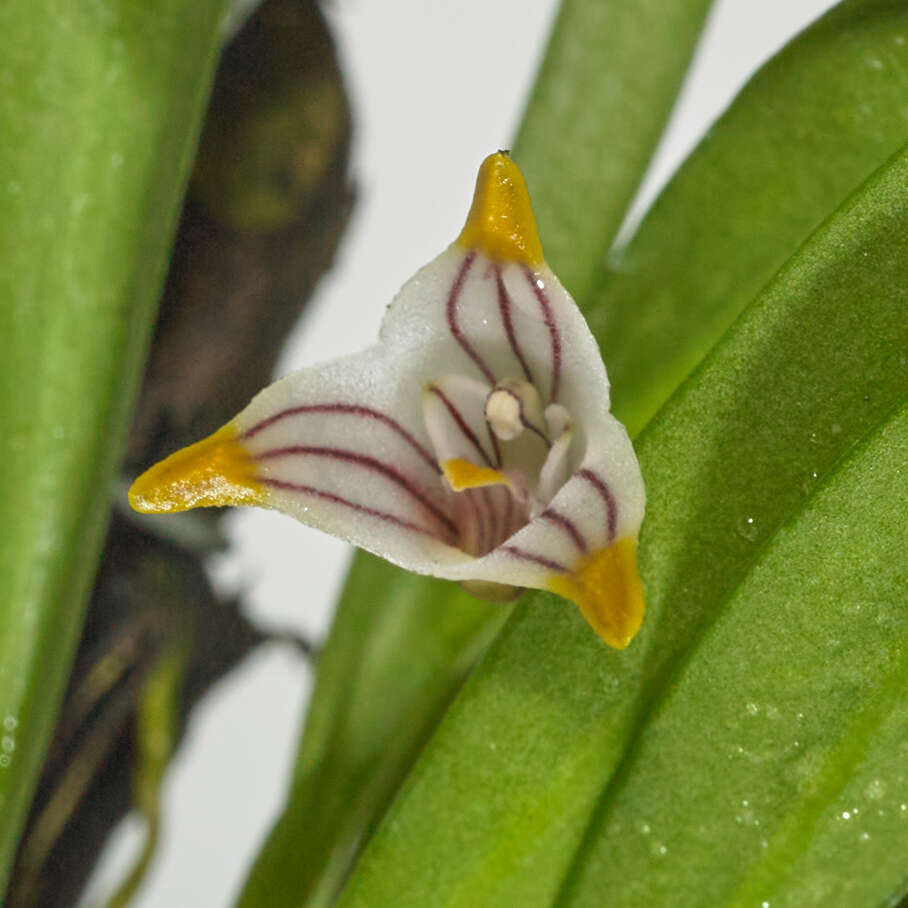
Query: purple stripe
495	446
508	516
480	502
453	297
461	423
536	559
370	463
549	319
471	519
489	504
523	420
566	524
352	410
478	522
611	506
504	306
359	508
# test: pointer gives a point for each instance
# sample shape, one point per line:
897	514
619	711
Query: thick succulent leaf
98	111
813	123
594	50
773	499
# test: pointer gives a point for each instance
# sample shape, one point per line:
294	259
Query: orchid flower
473	442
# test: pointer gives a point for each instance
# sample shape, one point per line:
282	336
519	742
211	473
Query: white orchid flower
473	442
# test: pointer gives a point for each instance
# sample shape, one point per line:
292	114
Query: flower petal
556	469
215	471
583	545
326	446
501	223
606	588
490	308
454	412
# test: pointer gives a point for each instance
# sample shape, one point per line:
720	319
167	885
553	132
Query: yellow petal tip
607	589
215	471
501	223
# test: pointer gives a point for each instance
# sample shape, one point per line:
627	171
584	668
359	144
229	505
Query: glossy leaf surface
813	123
99	108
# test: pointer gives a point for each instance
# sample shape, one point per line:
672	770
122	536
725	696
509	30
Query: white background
435	86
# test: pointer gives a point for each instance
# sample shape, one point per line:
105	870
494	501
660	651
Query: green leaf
813	123
375	705
773	769
356	749
775	507
594	118
99	108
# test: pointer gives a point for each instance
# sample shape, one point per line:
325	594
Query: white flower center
502	455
